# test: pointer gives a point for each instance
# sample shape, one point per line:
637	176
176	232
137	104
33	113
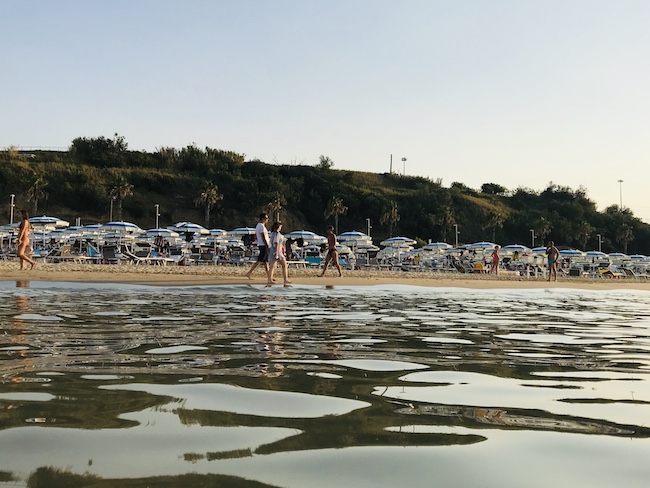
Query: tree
275	205
624	235
121	190
325	163
390	218
36	193
496	220
208	197
335	208
446	220
493	189
542	228
583	233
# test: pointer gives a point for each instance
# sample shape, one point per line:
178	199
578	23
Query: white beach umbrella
638	257
218	232
436	246
571	253
121	227
539	250
398	242
596	254
301	234
189	227
618	256
161	232
482	245
242	231
520	248
52	222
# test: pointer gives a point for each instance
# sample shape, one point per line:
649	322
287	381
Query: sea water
311	386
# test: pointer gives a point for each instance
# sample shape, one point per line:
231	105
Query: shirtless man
553	256
332	253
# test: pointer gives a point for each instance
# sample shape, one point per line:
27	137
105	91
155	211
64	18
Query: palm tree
37	192
496	220
624	234
583	233
390	218
446	220
335	208
208	197
121	190
543	228
275	205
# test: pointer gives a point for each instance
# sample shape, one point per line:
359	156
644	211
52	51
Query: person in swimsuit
262	236
332	254
553	255
494	265
23	240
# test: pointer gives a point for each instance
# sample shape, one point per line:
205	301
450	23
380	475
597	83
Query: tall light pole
404	166
11	209
369	226
620	194
532	237
600	242
157	214
456	234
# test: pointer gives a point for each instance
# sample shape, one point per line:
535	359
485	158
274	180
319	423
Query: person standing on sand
553	256
494	265
332	253
262	236
276	253
23	240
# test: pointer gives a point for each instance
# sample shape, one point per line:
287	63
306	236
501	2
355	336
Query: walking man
332	253
262	237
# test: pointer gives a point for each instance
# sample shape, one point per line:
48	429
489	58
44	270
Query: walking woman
23	240
276	254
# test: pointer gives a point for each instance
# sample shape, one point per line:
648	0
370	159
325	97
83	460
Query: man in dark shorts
262	236
553	256
332	253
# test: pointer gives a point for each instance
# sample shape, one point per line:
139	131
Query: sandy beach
221	275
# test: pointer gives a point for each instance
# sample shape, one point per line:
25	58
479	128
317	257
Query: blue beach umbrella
618	255
596	254
121	227
520	248
45	221
571	253
397	242
188	227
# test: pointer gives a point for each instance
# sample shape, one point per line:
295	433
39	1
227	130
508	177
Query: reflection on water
307	386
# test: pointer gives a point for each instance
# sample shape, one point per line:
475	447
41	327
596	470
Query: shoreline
236	275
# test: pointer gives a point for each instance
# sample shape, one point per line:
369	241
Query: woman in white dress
276	254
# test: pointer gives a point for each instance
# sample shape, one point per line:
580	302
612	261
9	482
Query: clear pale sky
519	93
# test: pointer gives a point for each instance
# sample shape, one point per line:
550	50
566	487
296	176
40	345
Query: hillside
96	174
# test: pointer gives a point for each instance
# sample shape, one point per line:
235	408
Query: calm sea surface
389	386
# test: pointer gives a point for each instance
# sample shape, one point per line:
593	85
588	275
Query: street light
600	242
11	209
404	166
369	226
532	237
157	214
620	191
456	234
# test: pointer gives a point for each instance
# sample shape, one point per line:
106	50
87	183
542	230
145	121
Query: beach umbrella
482	245
539	250
242	231
638	257
595	254
189	227
397	242
436	246
161	233
367	248
301	234
121	227
45	221
520	248
218	232
571	253
353	235
618	255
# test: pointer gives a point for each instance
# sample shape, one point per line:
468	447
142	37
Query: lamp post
620	195
157	214
532	237
369	226
600	242
404	166
456	234
11	209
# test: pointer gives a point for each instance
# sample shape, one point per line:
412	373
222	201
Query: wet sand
222	275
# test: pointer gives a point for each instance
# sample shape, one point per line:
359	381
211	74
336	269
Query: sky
518	93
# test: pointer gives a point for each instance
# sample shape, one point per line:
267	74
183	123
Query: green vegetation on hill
193	184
